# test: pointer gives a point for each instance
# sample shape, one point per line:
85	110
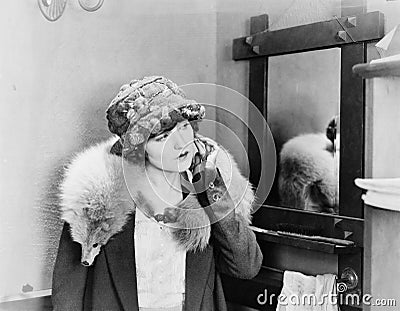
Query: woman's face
172	150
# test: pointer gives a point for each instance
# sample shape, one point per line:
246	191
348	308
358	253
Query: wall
390	9
382	245
383	110
56	80
382	152
384	128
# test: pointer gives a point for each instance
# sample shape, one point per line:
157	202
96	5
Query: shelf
28	295
384	69
298	242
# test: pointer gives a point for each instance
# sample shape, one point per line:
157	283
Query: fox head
90	231
97	236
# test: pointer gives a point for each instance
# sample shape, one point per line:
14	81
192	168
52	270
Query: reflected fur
307	178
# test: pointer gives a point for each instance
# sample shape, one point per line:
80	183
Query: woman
153	216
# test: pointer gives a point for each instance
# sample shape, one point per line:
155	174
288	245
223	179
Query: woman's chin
184	164
183	167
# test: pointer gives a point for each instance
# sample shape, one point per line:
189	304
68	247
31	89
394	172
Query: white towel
308	293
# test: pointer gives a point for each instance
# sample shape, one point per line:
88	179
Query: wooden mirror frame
339	33
351	34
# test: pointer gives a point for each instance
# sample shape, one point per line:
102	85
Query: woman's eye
95	245
185	126
162	137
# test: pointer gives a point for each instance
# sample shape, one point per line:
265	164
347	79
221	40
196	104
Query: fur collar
96	202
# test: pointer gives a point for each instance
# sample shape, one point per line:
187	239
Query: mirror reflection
303	114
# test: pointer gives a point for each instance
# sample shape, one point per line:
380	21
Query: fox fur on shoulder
97	201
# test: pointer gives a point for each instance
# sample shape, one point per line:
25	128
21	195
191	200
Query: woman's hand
207	154
205	168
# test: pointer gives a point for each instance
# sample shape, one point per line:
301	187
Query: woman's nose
179	141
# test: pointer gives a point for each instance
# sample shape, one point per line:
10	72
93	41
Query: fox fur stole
97	200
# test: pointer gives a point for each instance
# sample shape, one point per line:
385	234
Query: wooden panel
308	244
246	292
328	225
351	131
258	23
382	269
257	95
33	304
372	53
352	115
353	261
313	36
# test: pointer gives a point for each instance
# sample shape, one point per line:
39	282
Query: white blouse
160	266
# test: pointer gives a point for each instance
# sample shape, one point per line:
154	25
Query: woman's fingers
208	150
200	147
212	158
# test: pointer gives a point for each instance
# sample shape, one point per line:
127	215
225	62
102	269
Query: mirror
302	111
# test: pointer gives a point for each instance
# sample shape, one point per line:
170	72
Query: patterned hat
147	107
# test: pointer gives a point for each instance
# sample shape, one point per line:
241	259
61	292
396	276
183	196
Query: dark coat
110	284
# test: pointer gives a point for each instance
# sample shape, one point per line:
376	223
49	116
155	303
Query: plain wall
385	129
383	152
56	80
390	9
381	258
383	111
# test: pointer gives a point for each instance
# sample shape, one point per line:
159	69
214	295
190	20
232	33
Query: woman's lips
183	155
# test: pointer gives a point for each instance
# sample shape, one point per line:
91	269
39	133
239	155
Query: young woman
153	216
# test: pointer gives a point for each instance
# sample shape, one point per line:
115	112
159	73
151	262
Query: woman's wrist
213	194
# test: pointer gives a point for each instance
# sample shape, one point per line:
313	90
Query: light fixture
88	7
54	9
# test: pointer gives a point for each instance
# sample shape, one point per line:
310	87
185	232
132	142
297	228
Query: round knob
350	277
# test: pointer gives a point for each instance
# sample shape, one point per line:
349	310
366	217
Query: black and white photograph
200	155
